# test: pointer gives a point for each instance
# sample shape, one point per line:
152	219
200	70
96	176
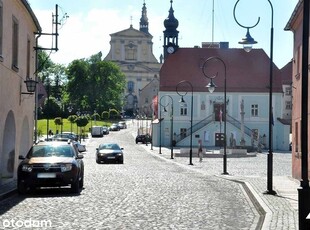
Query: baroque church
132	50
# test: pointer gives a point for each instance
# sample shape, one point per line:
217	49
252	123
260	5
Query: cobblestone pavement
281	210
146	192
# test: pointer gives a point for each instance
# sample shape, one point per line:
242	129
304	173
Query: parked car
51	164
72	135
105	130
143	138
122	125
64	137
114	127
109	152
81	148
97	131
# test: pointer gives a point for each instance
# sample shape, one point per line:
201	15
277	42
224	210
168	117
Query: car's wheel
81	183
75	186
97	161
21	188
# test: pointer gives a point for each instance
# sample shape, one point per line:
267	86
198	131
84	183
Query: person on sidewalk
200	154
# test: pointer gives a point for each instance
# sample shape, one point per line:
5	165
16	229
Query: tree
58	121
51	108
95	84
81	121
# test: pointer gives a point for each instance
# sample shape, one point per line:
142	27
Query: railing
196	127
208	120
237	124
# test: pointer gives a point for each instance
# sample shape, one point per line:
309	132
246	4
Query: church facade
132	50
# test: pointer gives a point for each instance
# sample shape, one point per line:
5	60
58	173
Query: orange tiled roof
245	72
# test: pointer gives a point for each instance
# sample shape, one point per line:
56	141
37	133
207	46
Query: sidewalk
278	211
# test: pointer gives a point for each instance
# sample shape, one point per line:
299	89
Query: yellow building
17	64
132	50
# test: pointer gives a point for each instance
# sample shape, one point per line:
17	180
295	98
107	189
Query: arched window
130	86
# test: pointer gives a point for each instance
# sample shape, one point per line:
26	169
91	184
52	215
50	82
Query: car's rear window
50	151
109	146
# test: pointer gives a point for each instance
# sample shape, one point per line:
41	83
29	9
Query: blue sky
90	23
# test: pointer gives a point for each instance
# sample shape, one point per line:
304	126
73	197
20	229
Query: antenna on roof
212	21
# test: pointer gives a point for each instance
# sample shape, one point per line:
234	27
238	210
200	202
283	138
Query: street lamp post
152	117
247	42
171	121
211	86
70	108
192	102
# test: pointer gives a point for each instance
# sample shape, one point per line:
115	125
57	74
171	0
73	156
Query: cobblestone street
146	192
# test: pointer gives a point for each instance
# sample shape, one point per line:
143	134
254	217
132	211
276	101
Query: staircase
208	120
237	124
196	127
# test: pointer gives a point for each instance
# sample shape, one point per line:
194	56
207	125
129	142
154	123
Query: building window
15	44
254	110
130	86
28	58
288	105
288	91
183	132
183	110
1	29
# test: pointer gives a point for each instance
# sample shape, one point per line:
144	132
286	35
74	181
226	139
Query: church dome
171	23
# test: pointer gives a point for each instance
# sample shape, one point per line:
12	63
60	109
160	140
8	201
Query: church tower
144	22
170	34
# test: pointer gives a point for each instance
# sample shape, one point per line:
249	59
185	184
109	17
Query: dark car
51	164
105	130
143	138
64	137
109	152
114	127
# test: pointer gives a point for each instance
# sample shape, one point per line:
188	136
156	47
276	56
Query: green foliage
51	108
114	114
58	121
105	115
72	118
42	126
86	84
96	116
81	121
44	61
95	84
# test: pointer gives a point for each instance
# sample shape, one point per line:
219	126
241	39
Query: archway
7	158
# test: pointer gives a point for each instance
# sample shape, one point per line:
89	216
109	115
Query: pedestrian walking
200	154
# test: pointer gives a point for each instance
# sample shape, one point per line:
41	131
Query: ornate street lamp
211	87
248	42
192	103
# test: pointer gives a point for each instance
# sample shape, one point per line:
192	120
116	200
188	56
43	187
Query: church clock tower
170	34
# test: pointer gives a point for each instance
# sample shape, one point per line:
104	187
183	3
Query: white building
247	89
